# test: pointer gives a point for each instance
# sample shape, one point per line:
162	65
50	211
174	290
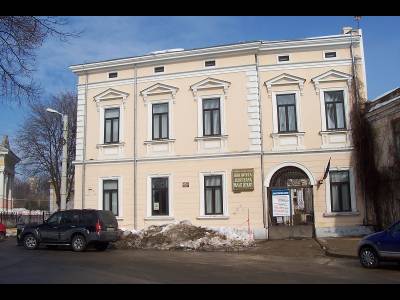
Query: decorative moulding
110	94
209	83
285	79
331	76
159	89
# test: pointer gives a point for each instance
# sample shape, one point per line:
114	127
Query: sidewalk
340	246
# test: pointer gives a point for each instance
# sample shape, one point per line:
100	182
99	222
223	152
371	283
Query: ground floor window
340	191
159	196
110	195
213	195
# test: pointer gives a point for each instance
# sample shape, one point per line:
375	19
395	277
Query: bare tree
40	141
20	36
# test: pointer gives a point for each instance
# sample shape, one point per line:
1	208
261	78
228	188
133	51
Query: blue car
380	246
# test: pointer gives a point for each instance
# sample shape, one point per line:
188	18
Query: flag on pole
327	169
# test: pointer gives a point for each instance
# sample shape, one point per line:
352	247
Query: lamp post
63	203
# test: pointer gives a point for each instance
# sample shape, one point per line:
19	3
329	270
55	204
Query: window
159	196
70	217
334	110
330	54
110	196
111	125
211	117
283	58
209	63
286	107
55	219
160	121
340	191
113	75
213	196
159	69
396	136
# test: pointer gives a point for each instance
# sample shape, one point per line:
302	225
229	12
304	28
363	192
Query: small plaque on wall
185	184
242	180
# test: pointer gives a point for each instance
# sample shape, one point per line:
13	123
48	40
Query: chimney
346	30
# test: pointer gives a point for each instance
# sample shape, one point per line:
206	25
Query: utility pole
63	192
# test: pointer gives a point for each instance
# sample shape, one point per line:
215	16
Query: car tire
30	242
2	236
369	258
78	243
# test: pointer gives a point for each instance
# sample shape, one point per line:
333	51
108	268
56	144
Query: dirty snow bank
185	236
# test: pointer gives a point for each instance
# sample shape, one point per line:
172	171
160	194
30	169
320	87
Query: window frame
113	72
150	196
166	190
284	61
213	188
209	60
344	111
100	203
112	126
157	72
346	107
286	106
329	51
211	118
111	192
160	123
225	195
340	184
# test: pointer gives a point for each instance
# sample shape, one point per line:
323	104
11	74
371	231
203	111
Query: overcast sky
115	37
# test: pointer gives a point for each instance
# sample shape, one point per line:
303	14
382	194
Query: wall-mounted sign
280	203
242	180
185	184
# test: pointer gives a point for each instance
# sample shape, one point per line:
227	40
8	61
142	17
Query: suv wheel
30	242
368	258
101	246
78	243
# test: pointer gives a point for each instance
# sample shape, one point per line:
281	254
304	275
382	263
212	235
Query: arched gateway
290	202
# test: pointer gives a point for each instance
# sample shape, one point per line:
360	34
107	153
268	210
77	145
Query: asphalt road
18	265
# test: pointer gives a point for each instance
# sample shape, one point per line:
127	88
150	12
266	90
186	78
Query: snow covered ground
185	236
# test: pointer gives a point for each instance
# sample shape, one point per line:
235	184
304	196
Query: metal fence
11	219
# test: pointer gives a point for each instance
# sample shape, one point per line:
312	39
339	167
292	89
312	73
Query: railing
12	219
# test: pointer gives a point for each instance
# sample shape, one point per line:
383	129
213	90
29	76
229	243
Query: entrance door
290	199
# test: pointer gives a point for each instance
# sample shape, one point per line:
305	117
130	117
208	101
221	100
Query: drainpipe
84	141
134	148
264	204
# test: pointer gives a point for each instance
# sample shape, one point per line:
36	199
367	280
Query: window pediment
285	79
330	76
210	83
110	94
158	89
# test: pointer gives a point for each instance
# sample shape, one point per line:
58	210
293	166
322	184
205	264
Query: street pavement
270	262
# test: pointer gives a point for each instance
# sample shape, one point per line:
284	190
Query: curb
327	252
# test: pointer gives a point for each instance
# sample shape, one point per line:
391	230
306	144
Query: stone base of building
343	231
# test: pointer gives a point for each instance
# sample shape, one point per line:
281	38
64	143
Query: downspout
264	204
134	148
84	142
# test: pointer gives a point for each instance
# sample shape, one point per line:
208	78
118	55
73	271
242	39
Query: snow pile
185	236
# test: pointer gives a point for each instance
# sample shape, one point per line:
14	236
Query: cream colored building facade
159	135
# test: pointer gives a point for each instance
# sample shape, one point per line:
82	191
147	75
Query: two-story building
224	136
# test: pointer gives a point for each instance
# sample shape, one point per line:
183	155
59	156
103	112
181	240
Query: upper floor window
286	107
211	117
110	195
111	125
329	54
334	110
159	69
160	121
209	63
113	75
340	191
396	136
283	58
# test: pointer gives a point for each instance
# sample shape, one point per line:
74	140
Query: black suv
75	228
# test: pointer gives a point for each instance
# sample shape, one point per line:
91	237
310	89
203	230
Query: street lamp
64	160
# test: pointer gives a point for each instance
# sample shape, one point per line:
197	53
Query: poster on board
280	203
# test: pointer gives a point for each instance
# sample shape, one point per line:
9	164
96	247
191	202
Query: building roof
384	100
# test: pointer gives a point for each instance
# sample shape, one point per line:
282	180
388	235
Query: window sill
162	141
211	137
340	131
341	214
296	133
213	217
110	145
159	218
119	218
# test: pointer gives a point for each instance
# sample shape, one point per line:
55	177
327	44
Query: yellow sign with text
242	180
